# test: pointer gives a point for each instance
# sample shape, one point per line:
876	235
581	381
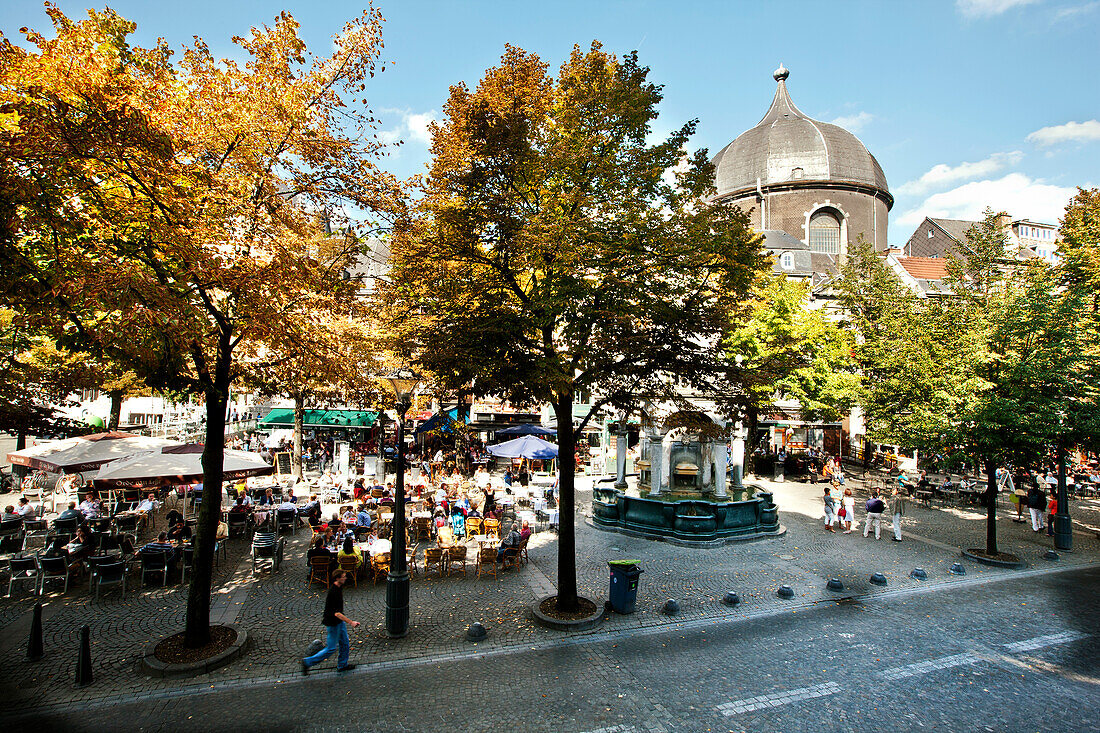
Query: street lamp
402	382
1063	526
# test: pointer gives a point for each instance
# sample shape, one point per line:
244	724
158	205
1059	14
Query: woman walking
830	509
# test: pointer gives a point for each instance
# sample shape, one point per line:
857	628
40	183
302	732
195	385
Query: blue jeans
337	639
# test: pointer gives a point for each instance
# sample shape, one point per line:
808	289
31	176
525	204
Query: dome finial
781	73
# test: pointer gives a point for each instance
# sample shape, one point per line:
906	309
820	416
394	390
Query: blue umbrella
526	447
527	430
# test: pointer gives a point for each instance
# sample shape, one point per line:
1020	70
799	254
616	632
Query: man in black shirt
336	623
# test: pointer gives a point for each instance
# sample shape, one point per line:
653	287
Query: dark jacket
1036	498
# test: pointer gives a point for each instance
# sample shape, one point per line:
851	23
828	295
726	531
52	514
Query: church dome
789	149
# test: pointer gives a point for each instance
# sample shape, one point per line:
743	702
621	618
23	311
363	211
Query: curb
994	563
154	667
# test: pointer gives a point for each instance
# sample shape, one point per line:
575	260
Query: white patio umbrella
180	464
527	447
85	452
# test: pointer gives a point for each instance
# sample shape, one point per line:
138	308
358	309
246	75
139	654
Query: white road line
932	665
780	697
1029	645
614	729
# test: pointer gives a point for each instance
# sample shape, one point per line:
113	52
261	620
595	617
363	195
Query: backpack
875	506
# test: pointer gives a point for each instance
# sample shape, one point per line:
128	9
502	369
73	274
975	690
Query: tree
987	370
152	208
547	258
785	349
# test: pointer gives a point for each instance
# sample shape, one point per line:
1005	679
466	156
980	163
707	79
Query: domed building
812	188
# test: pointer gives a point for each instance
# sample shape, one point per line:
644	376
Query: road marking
932	665
776	699
1028	645
614	729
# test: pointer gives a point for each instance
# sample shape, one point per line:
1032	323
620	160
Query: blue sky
966	103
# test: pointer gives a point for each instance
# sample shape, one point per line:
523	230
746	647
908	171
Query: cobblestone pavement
282	614
1019	654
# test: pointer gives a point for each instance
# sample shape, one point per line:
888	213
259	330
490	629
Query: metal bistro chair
153	562
286	519
187	562
266	546
127	523
22	570
53	568
110	573
66	526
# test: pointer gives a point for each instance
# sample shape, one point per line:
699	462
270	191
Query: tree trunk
567	539
197	632
462	437
991	505
116	410
299	419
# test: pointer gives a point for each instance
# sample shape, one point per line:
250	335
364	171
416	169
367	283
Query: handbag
842	513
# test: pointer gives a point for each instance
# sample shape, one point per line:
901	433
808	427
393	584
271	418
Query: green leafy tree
785	349
548	258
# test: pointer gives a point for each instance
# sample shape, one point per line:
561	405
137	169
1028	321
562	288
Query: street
986	654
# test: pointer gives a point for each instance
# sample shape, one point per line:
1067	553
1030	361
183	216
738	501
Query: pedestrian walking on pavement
830	509
875	508
848	506
898	505
1036	503
1052	509
336	625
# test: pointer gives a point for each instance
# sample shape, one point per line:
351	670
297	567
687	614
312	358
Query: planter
584	623
154	667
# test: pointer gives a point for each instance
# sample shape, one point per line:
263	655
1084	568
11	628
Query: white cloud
1074	10
412	126
988	8
943	175
1069	132
853	123
1020	196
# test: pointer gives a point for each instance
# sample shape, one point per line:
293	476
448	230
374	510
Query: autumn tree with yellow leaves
151	207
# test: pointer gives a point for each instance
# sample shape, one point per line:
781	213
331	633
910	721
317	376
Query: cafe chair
486	562
510	558
153	562
286	519
492	527
267	547
187	562
53	568
22	570
456	560
410	559
108	574
473	526
351	566
320	571
433	558
380	566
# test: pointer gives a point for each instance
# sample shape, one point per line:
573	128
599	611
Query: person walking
898	505
848	506
336	624
875	508
1052	509
830	509
1036	503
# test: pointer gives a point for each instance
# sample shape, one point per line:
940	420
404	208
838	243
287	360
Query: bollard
476	632
918	574
1050	555
835	584
878	579
671	607
785	591
731	599
34	645
958	569
84	659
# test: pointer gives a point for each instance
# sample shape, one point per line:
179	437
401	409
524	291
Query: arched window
786	261
825	233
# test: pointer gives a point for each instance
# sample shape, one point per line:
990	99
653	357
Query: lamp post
1063	526
402	382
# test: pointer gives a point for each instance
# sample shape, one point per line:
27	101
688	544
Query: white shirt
26	511
148	505
438	456
89	508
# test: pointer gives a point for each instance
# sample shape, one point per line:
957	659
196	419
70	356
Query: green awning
283	417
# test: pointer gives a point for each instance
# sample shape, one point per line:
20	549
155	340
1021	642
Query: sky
965	103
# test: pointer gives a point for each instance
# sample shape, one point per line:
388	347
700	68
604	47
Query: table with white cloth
377	547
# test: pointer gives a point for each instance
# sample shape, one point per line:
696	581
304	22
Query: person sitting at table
362	518
71	513
350	550
148	505
179	533
80	548
239	507
320	550
514	539
462	505
26	510
161	544
525	531
91	507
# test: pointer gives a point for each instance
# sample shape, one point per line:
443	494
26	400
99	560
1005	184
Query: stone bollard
671	607
35	649
785	591
835	584
1050	555
958	569
918	574
731	599
878	579
84	658
476	632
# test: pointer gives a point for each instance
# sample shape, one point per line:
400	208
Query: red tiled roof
925	268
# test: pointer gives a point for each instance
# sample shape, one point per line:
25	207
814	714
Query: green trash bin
624	585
